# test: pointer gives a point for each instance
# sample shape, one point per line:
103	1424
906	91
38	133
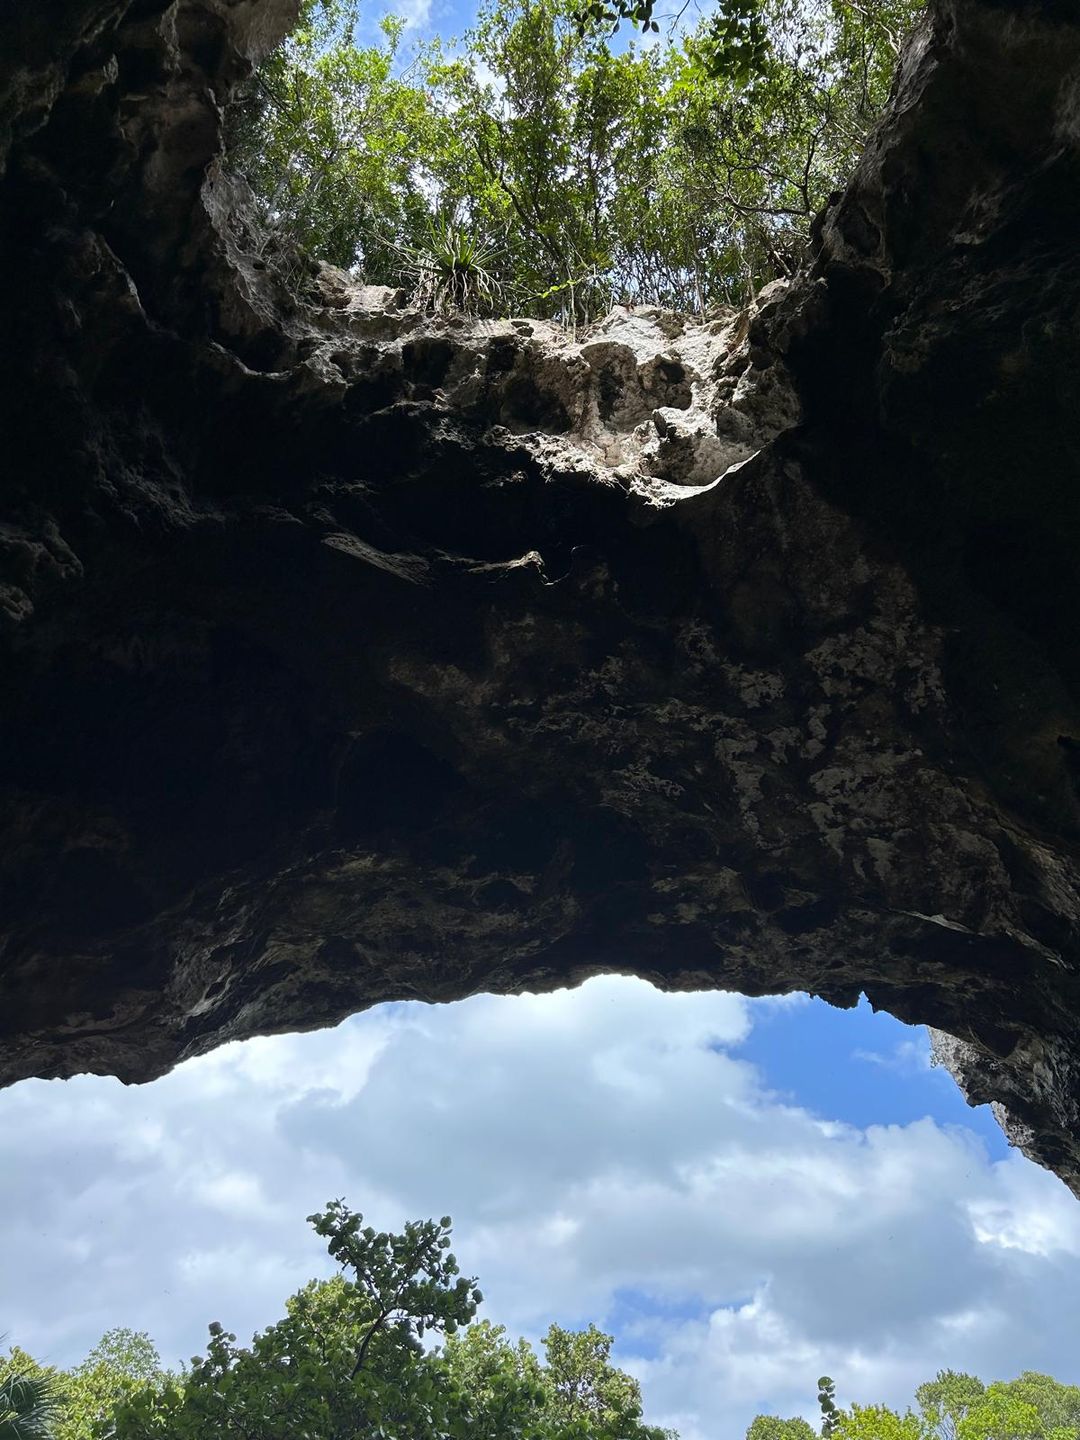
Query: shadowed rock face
353	655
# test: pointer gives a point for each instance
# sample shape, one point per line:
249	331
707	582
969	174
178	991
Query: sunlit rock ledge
354	654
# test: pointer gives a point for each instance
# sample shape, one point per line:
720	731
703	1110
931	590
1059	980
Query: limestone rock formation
354	654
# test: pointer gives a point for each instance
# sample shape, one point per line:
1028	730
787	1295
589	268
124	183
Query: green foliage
684	174
404	1284
576	1395
736	43
1001	1414
124	1355
771	1427
737	22
830	1415
1058	1405
328	133
349	1360
875	1422
121	1365
453	270
29	1399
499	1386
956	1406
952	1406
586	1396
82	1401
947	1399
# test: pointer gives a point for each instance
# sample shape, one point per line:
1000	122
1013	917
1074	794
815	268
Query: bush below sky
748	1193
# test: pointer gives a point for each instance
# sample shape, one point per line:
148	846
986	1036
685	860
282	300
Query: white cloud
909	1057
415	13
605	1154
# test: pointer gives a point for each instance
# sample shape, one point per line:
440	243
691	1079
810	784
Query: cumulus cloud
606	1155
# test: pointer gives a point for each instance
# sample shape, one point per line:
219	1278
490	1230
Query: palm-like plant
29	1406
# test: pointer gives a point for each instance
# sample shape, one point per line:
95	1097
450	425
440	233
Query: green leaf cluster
531	167
352	1357
772	1427
29	1401
952	1406
76	1404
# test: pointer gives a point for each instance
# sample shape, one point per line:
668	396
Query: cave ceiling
352	654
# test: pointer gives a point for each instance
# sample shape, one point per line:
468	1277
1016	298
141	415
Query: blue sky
423	19
748	1194
860	1067
449	20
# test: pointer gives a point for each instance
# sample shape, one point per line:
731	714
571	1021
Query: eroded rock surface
354	654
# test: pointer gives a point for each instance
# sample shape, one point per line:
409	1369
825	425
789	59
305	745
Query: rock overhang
355	654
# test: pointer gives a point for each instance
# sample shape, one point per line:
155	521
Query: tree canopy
952	1406
389	1349
352	1356
538	166
44	1403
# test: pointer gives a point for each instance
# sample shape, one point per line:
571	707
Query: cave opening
743	1193
542	160
439	629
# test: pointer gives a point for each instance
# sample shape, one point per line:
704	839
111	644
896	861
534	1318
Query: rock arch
351	654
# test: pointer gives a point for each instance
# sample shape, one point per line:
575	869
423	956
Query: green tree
537	149
127	1354
946	1400
528	167
497	1384
121	1364
771	1427
952	1406
957	1406
876	1422
1001	1414
577	1395
348	1358
83	1400
1057	1405
331	138
586	1395
765	143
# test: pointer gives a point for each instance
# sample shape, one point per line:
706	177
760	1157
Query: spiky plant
29	1406
453	269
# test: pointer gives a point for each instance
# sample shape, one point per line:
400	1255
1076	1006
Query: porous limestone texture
354	654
